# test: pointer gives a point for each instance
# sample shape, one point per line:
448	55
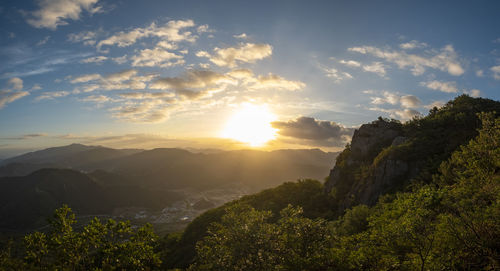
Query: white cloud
120	60
405	101
245	53
204	29
476	93
376	67
146	95
445	59
96	99
156	57
496	72
8	96
479	73
87	37
351	63
36	87
410	101
94	59
52	95
15	83
404	114
53	13
272	81
86	78
412	45
148	111
170	32
126	79
448	87
240	36
336	75
194	83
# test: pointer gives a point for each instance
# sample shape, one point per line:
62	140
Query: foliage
246	240
451	223
110	246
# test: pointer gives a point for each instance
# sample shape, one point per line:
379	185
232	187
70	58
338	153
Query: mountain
27	201
75	156
386	156
386	189
171	168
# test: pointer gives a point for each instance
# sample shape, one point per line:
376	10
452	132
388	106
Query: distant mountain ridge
177	168
97	180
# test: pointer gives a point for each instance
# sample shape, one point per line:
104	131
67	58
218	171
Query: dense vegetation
450	223
446	219
109	246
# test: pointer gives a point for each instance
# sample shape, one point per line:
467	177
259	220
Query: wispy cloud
172	31
243	53
496	72
53	13
445	59
448	87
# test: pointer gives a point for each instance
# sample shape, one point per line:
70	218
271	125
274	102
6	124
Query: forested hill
439	212
400	196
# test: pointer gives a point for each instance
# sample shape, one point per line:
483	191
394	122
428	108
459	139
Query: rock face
362	172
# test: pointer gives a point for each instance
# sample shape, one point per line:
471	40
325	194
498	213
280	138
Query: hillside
177	169
26	202
383	158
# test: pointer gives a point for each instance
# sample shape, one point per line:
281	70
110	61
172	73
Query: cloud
15	83
126	79
445	59
405	101
26	136
171	32
146	95
120	59
53	13
272	81
36	87
437	104
43	41
404	114
336	75
95	59
156	57
204	29
96	99
412	45
410	101
496	72
52	95
351	63
376	67
240	36
194	83
448	87
479	73
148	111
476	93
244	53
315	132
86	78
8	96
87	37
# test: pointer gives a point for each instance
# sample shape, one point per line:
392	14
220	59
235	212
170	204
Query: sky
207	74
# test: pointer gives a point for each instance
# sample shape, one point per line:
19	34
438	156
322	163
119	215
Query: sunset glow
251	124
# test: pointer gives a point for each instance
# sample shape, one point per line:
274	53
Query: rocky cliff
386	156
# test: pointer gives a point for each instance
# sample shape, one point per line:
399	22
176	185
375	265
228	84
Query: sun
251	124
